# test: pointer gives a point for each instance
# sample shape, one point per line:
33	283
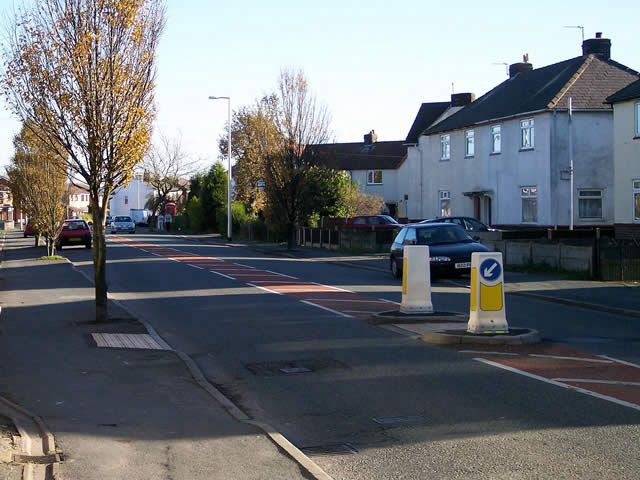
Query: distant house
132	195
504	157
626	144
7	213
78	201
373	165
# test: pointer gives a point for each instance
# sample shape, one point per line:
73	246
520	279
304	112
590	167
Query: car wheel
395	270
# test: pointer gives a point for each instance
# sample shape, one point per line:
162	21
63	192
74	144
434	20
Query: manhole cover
291	367
398	420
331	449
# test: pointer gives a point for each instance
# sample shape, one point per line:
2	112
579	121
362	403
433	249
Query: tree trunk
99	260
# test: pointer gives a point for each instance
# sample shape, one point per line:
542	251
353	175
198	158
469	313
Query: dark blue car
450	247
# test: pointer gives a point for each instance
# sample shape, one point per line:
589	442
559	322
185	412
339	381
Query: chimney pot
598	34
462	99
520	67
370	137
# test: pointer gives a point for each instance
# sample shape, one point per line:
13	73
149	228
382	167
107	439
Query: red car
74	232
29	231
373	222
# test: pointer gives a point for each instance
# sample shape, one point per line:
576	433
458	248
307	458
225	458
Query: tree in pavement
166	166
82	74
39	183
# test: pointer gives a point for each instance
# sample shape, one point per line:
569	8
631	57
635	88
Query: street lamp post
228	99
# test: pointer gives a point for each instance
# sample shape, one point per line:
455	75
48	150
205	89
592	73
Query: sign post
487	312
416	280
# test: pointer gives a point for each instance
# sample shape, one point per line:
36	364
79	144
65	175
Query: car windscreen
387	219
74	226
442	234
122	219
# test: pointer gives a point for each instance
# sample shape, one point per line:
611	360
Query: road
372	402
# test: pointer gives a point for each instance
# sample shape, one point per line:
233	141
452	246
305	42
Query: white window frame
371	177
636	192
496	138
637	115
469	143
445	147
528	192
445	203
527	134
591	194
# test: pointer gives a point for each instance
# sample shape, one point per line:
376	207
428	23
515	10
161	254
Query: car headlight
439	259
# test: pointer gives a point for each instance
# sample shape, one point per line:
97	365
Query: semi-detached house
505	157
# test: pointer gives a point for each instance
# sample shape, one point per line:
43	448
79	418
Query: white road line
389	301
578	359
344	300
281	274
243	265
257	274
222	275
362	312
490	353
603	382
195	266
346	315
559	384
288	282
156	254
268	290
332	288
623	362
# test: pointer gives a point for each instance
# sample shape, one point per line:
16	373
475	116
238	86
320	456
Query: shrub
195	214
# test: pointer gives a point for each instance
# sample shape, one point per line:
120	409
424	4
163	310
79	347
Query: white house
132	195
373	165
626	145
78	201
505	157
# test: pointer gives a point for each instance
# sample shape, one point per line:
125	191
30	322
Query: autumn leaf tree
166	168
82	73
39	183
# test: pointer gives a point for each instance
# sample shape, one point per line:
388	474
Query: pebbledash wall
424	175
627	160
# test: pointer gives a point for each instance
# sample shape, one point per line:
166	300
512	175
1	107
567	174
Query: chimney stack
370	137
600	47
520	67
462	99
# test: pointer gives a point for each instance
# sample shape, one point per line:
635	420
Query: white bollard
487	313
416	280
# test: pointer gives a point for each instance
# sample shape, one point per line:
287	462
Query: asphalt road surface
287	340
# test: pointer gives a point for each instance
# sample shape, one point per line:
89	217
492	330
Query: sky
371	62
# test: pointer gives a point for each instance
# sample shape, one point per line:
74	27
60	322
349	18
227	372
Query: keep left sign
487	312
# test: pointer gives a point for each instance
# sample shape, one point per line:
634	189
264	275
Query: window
469	143
126	200
445	147
400	237
374	177
590	204
496	139
360	221
636	200
411	237
526	134
529	196
445	203
638	119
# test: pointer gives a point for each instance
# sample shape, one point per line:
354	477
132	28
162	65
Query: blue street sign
261	184
490	269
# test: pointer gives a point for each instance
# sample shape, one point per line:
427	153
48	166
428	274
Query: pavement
116	413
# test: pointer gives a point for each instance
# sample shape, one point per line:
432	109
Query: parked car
123	224
108	220
375	222
74	232
29	231
450	247
468	223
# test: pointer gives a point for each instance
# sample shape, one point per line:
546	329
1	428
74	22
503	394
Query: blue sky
372	62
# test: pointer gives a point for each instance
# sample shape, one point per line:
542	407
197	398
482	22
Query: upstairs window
590	204
527	134
374	177
445	203
529	197
469	142
496	139
445	147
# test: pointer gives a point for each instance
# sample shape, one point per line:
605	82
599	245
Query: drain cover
290	367
401	420
331	449
126	340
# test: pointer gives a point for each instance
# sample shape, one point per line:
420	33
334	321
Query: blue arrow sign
490	269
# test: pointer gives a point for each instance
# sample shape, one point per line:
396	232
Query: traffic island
454	336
